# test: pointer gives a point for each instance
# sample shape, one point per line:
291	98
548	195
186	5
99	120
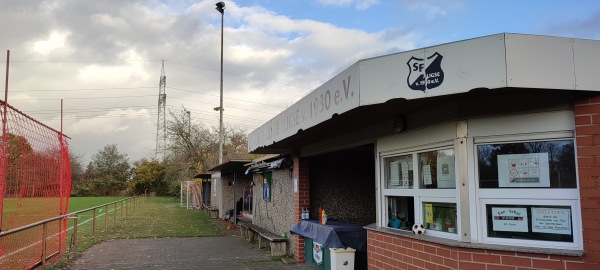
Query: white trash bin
342	258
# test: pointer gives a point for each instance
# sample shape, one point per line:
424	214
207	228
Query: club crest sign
431	78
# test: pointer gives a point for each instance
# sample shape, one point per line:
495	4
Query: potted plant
450	221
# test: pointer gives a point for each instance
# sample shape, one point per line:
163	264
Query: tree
77	172
149	176
108	172
197	146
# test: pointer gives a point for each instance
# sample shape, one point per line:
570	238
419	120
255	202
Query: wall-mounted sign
317	253
421	77
524	170
509	219
267	182
551	220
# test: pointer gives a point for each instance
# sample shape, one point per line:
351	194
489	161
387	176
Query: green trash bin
316	256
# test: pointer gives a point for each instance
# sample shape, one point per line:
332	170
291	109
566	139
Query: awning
262	165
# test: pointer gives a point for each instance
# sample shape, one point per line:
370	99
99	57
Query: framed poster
551	220
524	170
267	182
445	172
509	219
427	175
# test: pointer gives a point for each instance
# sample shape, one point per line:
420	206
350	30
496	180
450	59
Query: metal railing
33	254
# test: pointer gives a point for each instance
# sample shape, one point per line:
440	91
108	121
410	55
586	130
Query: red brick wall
587	130
387	251
301	199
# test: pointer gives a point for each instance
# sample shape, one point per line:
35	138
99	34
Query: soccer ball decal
418	228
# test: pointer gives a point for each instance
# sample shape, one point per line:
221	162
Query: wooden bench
254	233
212	211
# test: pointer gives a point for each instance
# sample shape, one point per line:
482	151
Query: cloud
358	4
103	59
56	40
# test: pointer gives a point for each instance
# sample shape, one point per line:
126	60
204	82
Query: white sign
551	220
524	170
406	167
295	185
445	172
509	219
317	253
427	175
394	173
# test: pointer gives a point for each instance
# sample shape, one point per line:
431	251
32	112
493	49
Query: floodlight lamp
220	7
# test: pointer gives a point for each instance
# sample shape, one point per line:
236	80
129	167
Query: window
437	169
537	164
518	181
431	200
510	177
440	216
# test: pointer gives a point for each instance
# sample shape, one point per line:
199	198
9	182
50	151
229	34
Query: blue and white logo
431	78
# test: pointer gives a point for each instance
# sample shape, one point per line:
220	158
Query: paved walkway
226	252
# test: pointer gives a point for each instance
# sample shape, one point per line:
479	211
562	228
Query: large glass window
542	164
409	201
518	182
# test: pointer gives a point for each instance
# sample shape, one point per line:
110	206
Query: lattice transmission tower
161	125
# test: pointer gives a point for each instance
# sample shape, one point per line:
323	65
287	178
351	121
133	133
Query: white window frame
524	196
419	215
419	194
576	244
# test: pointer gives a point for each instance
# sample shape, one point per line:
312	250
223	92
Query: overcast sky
103	58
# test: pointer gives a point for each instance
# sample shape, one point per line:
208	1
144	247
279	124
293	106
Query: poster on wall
406	167
428	213
445	172
395	173
427	175
551	220
524	170
509	219
317	253
266	190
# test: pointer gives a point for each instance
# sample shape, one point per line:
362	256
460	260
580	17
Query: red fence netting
35	184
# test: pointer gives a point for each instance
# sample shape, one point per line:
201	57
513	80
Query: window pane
530	222
399	172
401	212
437	169
546	164
440	216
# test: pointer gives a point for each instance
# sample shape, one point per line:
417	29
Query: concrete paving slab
226	252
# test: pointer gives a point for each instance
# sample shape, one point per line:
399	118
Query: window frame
446	195
523	196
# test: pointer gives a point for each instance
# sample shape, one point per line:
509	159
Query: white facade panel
587	67
440	70
528	123
336	96
540	62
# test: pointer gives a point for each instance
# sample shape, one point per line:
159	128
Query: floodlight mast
221	8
